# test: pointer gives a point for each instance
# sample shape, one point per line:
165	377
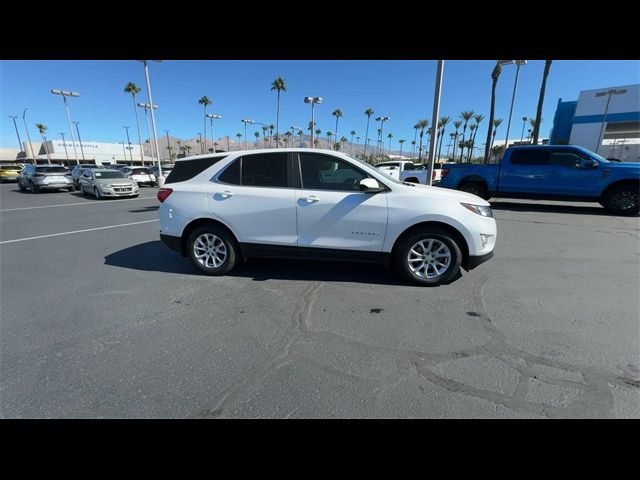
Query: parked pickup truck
551	172
407	171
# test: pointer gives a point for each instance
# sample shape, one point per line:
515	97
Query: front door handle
310	199
225	194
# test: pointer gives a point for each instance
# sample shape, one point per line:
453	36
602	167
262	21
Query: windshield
596	156
109	175
51	169
377	170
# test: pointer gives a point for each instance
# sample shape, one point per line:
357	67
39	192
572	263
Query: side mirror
588	163
370	185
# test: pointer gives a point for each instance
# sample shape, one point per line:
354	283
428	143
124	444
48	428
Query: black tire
401	254
21	187
71	189
622	200
97	193
475	188
34	189
230	243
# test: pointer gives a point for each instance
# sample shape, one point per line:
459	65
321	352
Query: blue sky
402	90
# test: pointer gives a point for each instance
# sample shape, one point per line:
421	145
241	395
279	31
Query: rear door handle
311	199
225	194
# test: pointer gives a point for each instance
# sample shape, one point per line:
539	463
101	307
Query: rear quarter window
187	169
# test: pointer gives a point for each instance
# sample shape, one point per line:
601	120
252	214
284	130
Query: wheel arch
473	179
455	233
191	226
411	180
619	183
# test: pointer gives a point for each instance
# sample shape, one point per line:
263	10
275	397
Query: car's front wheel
212	250
622	200
96	192
428	257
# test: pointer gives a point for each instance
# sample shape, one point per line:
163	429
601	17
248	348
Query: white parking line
77	203
78	231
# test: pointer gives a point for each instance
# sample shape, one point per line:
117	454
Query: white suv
319	204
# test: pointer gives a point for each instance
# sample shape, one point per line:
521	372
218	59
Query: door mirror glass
370	185
588	163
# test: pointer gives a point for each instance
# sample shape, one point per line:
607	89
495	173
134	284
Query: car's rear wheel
475	188
428	257
622	200
212	250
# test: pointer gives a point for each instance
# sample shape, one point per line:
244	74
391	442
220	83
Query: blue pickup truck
551	172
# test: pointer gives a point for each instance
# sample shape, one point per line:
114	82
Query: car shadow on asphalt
546	208
155	257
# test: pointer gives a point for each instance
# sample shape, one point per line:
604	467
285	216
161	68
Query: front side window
563	158
264	170
322	172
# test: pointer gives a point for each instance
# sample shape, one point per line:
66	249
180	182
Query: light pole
518	63
524	121
24	119
313	101
65	94
124	152
80	140
153	121
434	119
128	143
211	117
13	117
381	120
64	144
201	146
146	118
610	93
245	121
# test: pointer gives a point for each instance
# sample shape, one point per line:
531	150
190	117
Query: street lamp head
246	120
312	99
524	119
213	115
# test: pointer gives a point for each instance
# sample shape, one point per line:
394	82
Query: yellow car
9	173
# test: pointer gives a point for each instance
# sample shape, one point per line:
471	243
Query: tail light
445	172
433	175
163	193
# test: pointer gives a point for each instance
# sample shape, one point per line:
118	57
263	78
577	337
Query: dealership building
603	120
64	153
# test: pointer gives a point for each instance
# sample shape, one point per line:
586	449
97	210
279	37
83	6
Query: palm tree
422	124
368	112
496	124
300	133
279	86
495	74
401	142
239	135
390	136
478	118
288	135
444	121
271	127
533	122
457	124
416	127
276	139
466	116
545	74
133	89
343	140
495	151
42	128
353	134
188	149
473	130
257	135
316	142
264	135
329	134
337	113
413	147
204	101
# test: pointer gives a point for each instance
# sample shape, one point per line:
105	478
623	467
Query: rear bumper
53	186
8	178
474	261
174	243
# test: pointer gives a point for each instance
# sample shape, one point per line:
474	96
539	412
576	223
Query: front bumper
474	261
112	192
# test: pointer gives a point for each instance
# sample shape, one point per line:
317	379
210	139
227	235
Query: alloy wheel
429	258
209	250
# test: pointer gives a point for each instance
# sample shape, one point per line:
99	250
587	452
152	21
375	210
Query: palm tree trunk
487	147
536	128
337	118
135	110
440	146
464	132
420	147
278	116
366	135
204	146
44	142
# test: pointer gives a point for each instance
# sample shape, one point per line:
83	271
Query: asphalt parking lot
99	319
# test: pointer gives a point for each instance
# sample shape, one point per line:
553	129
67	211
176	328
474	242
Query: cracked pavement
111	324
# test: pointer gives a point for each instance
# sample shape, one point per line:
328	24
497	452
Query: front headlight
485	211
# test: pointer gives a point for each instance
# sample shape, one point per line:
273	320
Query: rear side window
530	157
264	170
232	174
187	169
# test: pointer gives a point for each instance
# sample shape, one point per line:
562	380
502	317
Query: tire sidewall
607	201
229	243
405	245
480	191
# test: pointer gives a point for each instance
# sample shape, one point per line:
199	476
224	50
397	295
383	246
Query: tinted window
264	170
231	174
530	157
565	159
51	169
187	169
409	166
322	172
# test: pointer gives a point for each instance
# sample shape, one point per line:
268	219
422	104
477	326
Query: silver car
44	177
107	183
